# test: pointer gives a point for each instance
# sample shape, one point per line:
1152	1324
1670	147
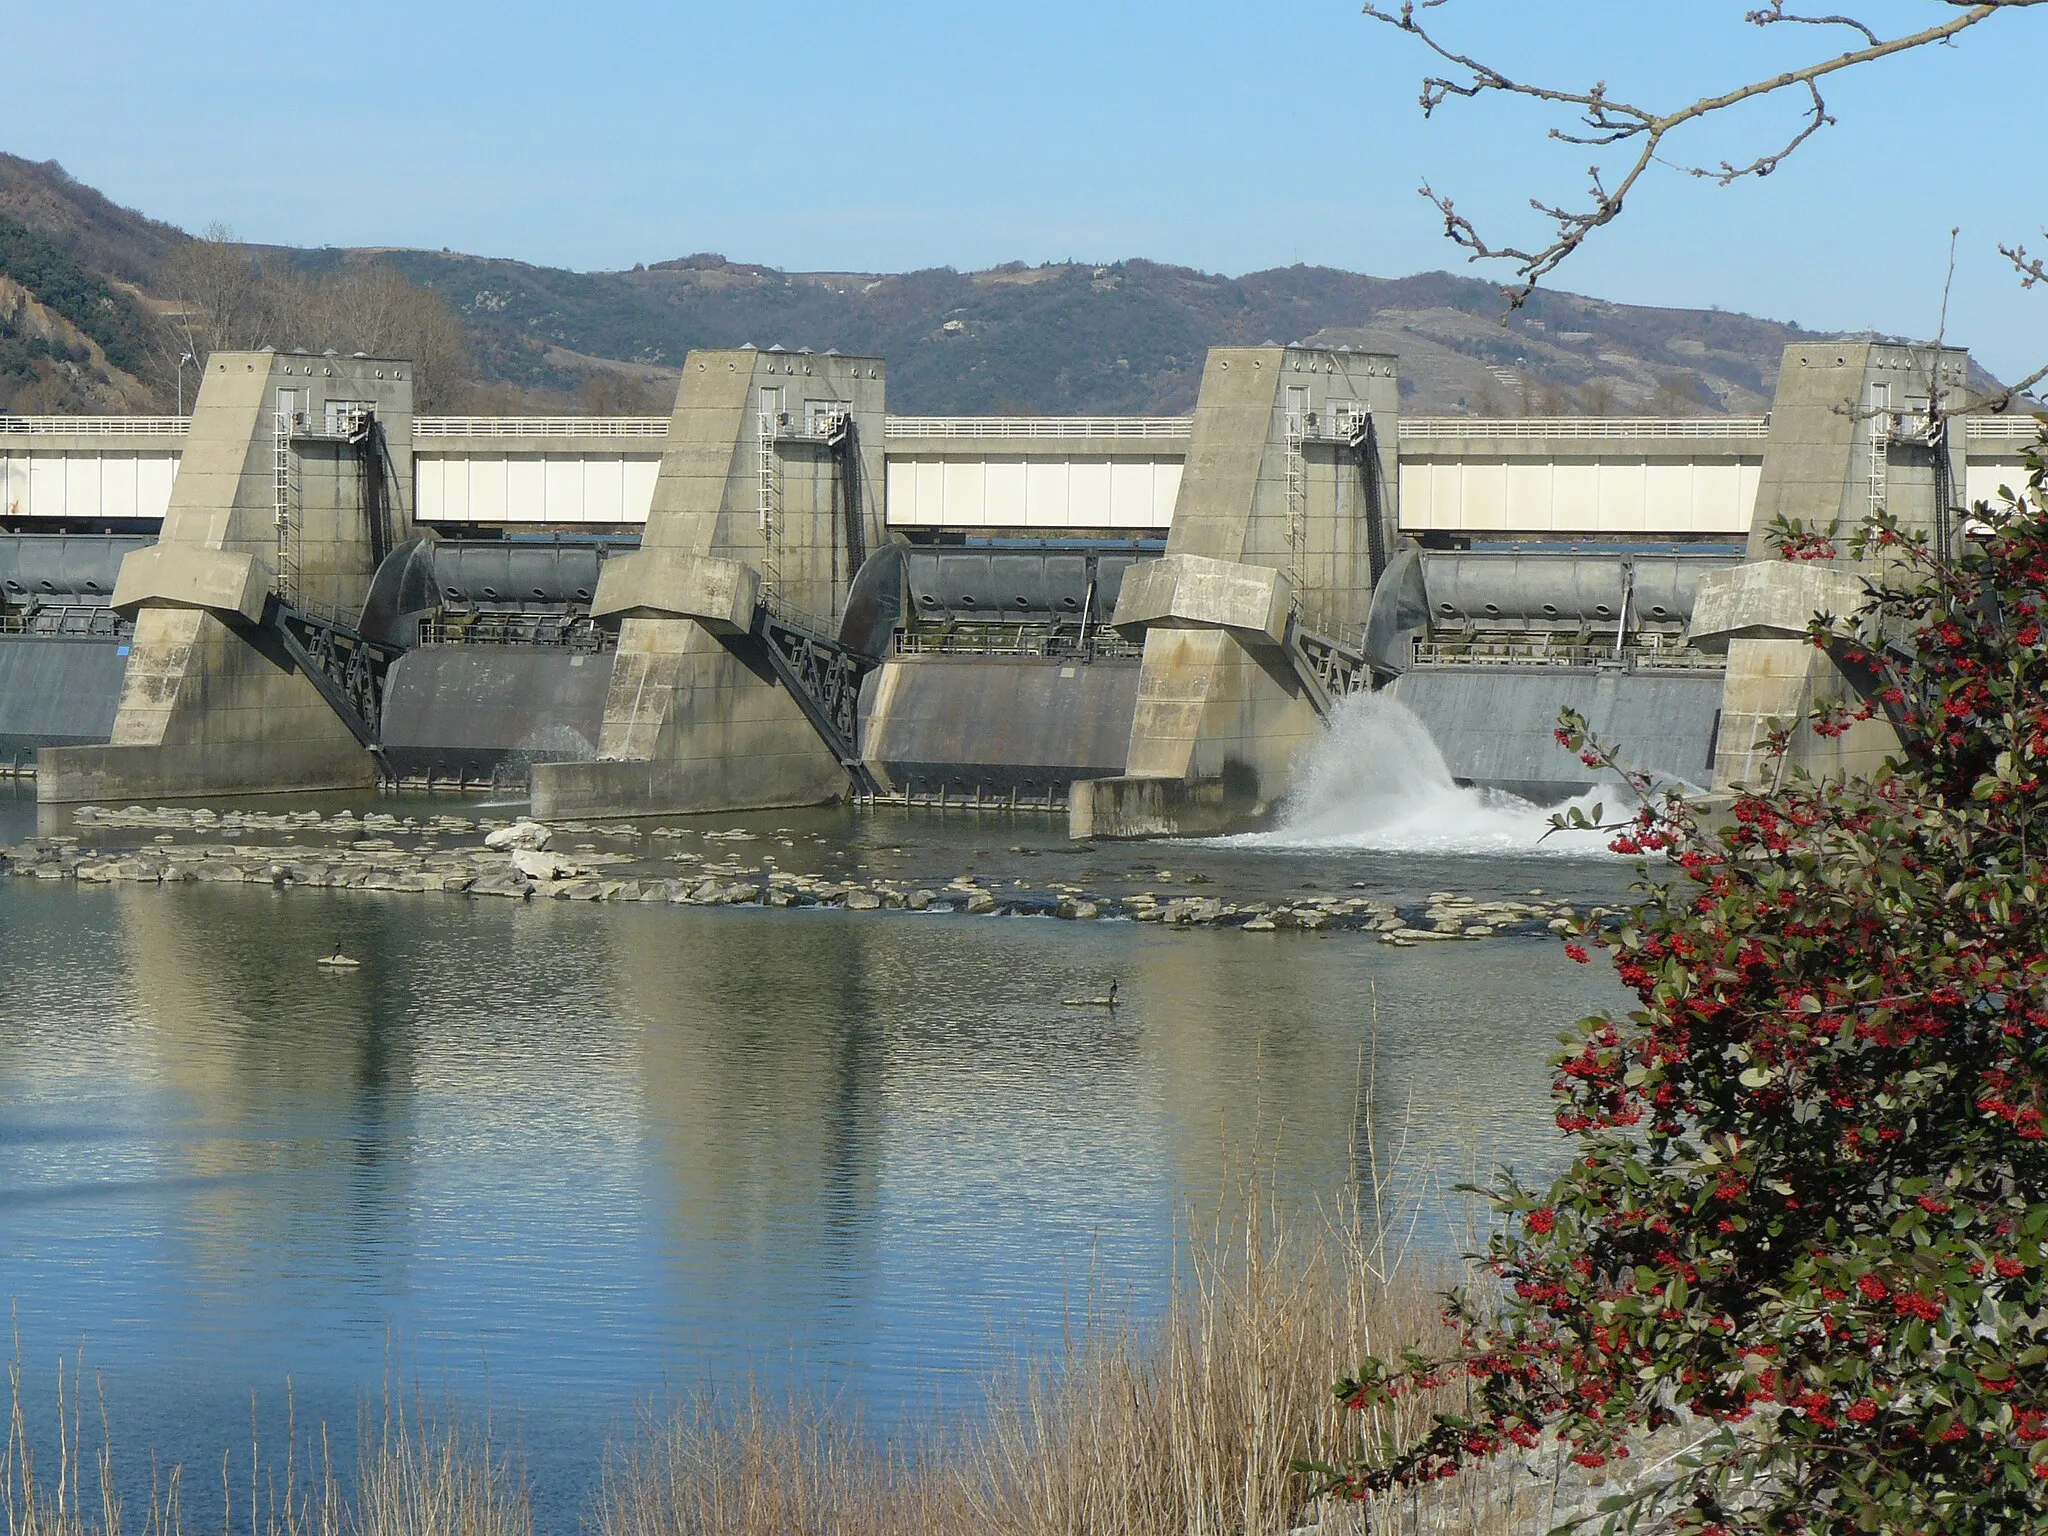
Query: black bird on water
1107	1000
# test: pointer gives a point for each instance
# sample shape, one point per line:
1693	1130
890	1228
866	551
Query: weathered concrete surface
209	703
999	722
673	583
1832	397
1195	591
1774	683
1494	725
1210	706
691	725
231	584
56	692
1846	438
1770	599
474	711
695	719
207	709
1128	807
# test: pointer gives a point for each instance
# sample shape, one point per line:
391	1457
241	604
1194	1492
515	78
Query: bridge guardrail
1423	428
1040	426
1101	644
540	426
1480	653
94	426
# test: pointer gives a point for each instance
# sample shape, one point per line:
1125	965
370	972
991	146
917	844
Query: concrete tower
1855	429
762	501
296	479
1287	513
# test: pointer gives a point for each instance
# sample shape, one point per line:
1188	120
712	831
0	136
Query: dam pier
782	595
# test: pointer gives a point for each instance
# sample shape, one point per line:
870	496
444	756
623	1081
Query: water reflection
568	1153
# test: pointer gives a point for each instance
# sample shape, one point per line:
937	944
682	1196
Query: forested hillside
97	302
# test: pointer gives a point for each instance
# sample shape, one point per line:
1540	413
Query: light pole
183	359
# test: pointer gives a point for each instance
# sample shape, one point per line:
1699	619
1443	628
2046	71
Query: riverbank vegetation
1805	1224
1186	1418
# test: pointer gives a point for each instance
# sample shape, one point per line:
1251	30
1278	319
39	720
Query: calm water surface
555	1157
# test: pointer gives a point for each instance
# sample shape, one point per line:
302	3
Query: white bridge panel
569	489
1987	474
85	485
1032	492
1578	496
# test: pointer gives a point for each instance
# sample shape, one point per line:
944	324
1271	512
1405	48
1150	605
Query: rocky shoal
526	860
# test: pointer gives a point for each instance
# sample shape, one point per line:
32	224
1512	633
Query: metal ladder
287	488
1297	504
1880	459
771	513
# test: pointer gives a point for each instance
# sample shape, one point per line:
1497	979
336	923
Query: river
556	1158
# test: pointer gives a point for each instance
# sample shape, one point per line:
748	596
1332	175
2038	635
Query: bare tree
218	284
1603	121
229	298
613	392
370	306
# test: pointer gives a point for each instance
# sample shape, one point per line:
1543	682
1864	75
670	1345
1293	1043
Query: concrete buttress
770	486
211	703
1855	428
1286	514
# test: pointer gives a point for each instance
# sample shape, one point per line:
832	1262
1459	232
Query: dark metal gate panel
484	711
57	693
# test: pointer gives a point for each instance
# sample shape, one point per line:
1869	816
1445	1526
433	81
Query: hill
95	281
1124	337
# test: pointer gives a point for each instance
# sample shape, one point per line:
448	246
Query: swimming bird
338	960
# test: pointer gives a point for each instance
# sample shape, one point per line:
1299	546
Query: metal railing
540	426
1597	428
576	632
1040	426
1018	640
72	621
1482	653
2002	429
94	426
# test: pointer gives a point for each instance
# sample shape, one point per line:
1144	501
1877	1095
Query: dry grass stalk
1185	1427
415	1475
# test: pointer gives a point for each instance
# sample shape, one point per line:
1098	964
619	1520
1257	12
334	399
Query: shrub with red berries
1805	1226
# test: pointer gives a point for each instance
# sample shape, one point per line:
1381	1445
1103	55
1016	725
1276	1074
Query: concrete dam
782	595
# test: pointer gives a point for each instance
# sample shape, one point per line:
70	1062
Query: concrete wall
1841	446
694	718
1833	399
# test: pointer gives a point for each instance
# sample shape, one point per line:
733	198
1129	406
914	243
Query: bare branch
1606	121
2032	269
1778	13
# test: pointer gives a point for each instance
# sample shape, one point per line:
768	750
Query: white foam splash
1377	782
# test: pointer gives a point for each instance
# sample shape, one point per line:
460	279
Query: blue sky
1228	137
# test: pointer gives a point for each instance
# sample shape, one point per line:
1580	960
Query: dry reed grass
416	1474
1188	1426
